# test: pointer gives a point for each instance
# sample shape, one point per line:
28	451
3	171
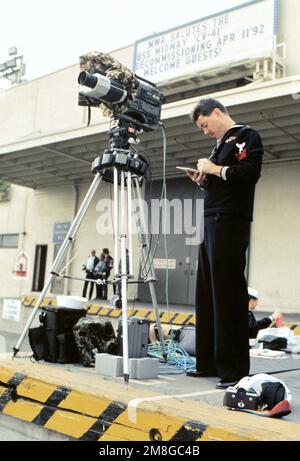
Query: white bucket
71	302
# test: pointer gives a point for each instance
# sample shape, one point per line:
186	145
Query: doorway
39	267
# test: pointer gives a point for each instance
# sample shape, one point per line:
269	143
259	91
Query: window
9	240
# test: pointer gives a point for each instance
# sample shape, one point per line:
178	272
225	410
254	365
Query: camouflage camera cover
94	61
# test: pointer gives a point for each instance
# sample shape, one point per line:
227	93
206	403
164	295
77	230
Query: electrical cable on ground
178	360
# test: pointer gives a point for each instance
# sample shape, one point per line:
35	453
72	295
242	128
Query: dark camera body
146	105
142	107
241	399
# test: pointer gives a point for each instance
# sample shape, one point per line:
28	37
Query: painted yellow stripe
27	301
22	409
296	330
288	324
6	374
158	426
71	424
166	317
35	389
181	318
118	312
165	426
2	390
93	309
142	313
155	429
85	403
41	391
118	432
151	317
104	311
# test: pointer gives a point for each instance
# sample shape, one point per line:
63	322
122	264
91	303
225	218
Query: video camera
118	91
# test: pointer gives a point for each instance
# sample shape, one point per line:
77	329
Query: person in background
256	325
100	272
109	261
89	267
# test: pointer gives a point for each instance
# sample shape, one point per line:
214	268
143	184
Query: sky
52	34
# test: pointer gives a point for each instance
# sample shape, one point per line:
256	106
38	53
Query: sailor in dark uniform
228	178
255	325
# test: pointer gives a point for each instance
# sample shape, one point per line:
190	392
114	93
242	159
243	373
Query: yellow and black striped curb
174	318
85	417
98	409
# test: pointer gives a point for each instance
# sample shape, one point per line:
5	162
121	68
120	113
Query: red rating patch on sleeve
242	151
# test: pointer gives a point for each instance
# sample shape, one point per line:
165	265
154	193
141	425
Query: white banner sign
164	263
242	33
11	309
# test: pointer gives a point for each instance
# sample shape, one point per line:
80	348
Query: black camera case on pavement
240	399
53	340
274	343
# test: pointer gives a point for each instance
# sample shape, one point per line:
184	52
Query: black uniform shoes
226	382
201	374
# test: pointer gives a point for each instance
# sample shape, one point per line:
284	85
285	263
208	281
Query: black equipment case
53	340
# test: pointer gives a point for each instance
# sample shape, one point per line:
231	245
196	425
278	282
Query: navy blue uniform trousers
221	297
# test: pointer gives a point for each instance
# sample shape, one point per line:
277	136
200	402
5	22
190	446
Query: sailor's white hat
253	293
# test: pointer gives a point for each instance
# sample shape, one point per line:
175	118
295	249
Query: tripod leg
116	221
129	207
61	255
145	246
124	279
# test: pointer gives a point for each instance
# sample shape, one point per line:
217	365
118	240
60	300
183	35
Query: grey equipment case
138	334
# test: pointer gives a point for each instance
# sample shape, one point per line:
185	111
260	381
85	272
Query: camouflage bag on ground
92	336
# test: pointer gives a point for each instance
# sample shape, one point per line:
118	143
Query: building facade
46	150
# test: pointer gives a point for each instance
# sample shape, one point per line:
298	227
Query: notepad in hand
185	168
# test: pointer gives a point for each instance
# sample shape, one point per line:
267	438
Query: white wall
275	238
33	213
289	26
13	221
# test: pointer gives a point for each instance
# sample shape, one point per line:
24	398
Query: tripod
123	168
